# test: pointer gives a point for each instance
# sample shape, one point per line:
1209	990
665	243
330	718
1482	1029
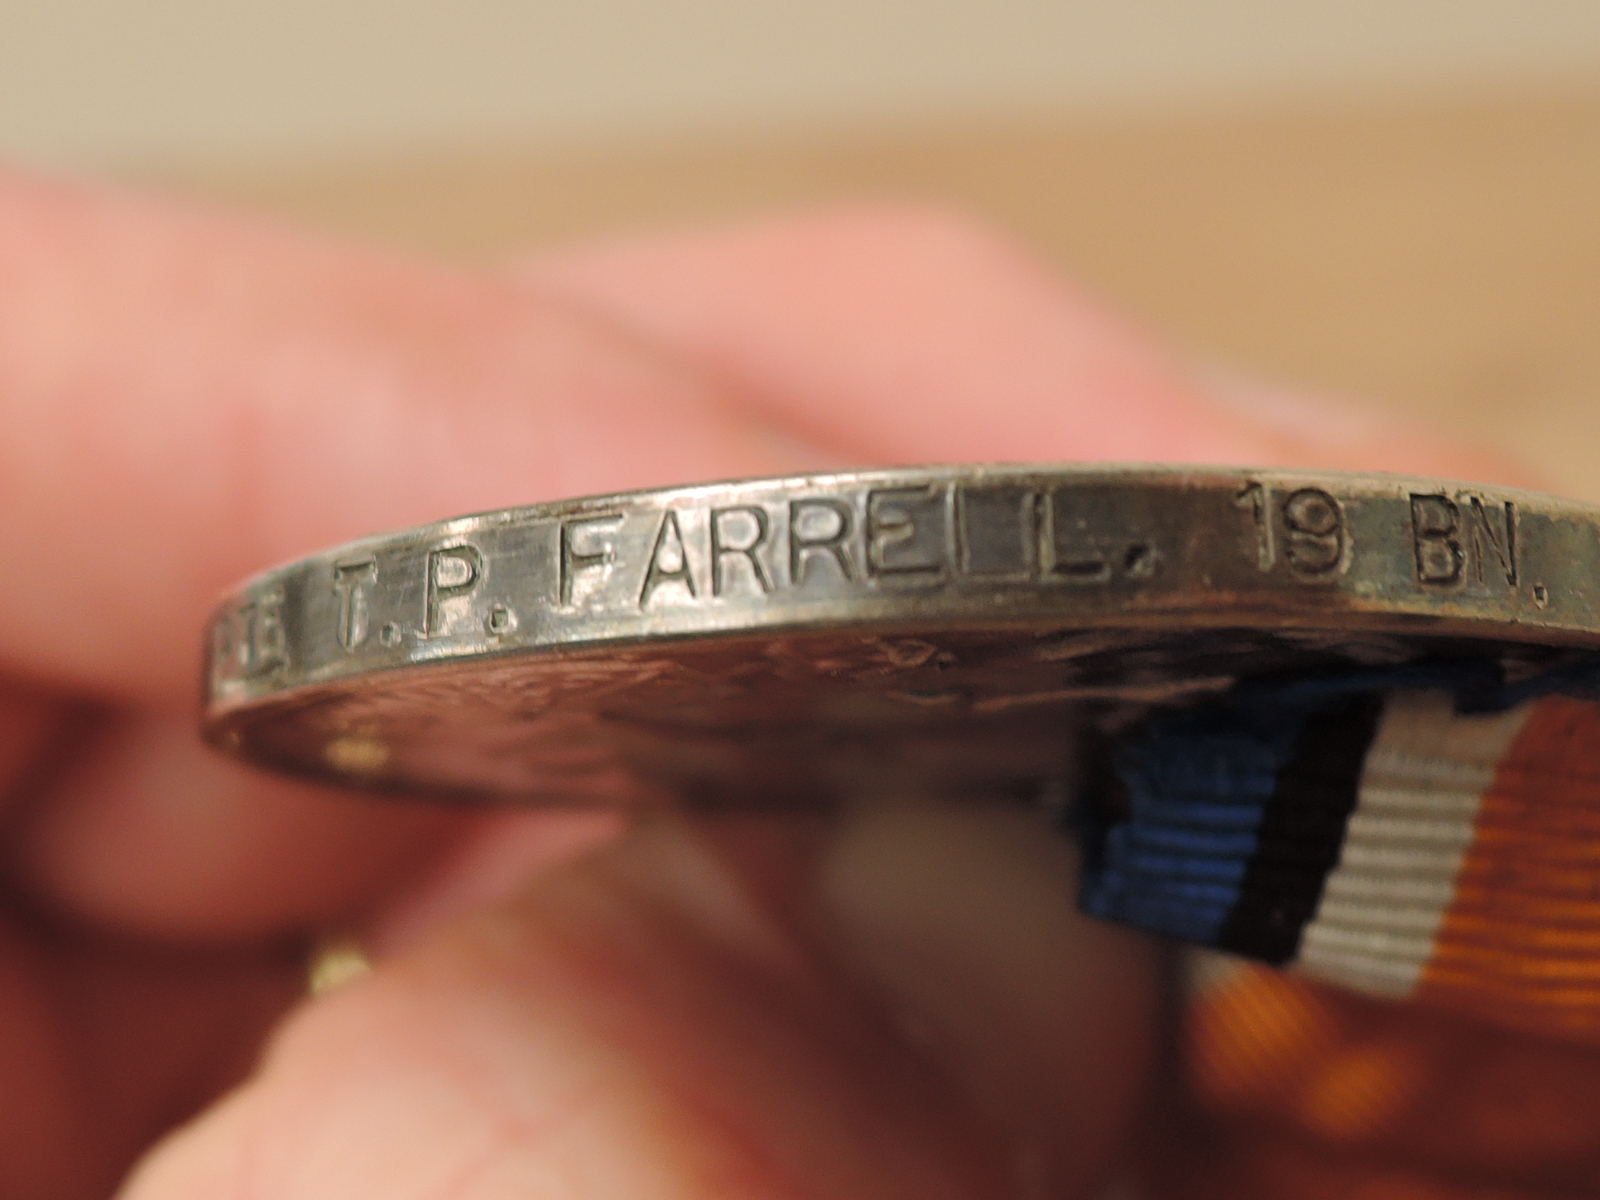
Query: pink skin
190	396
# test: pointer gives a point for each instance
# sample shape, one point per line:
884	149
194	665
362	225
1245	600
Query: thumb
671	1018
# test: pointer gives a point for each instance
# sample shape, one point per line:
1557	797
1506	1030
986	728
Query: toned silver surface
795	641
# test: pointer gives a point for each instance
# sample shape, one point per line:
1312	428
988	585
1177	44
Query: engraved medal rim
1355	575
1161	475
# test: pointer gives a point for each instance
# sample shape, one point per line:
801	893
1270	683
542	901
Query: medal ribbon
1429	832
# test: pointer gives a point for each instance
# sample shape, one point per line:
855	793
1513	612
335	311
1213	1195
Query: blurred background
1395	199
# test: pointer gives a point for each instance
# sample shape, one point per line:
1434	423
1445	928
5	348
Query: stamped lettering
999	531
587	553
1306	530
669	562
906	530
736	536
453	572
1494	537
351	583
1315	525
818	530
1464	538
1435	520
248	642
1256	500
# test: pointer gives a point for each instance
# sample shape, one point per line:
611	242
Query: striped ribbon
1427	832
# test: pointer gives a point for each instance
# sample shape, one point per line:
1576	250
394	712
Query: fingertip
912	333
150	833
203	1160
917	334
637	1024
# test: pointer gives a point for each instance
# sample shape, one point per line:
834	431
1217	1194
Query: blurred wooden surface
1440	255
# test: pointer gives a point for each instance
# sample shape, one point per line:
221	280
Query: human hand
905	1004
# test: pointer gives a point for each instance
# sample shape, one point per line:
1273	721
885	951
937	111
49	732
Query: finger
149	832
32	720
653	1023
103	1045
191	396
926	337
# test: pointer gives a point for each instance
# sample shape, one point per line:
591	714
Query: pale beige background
1400	200
114	81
